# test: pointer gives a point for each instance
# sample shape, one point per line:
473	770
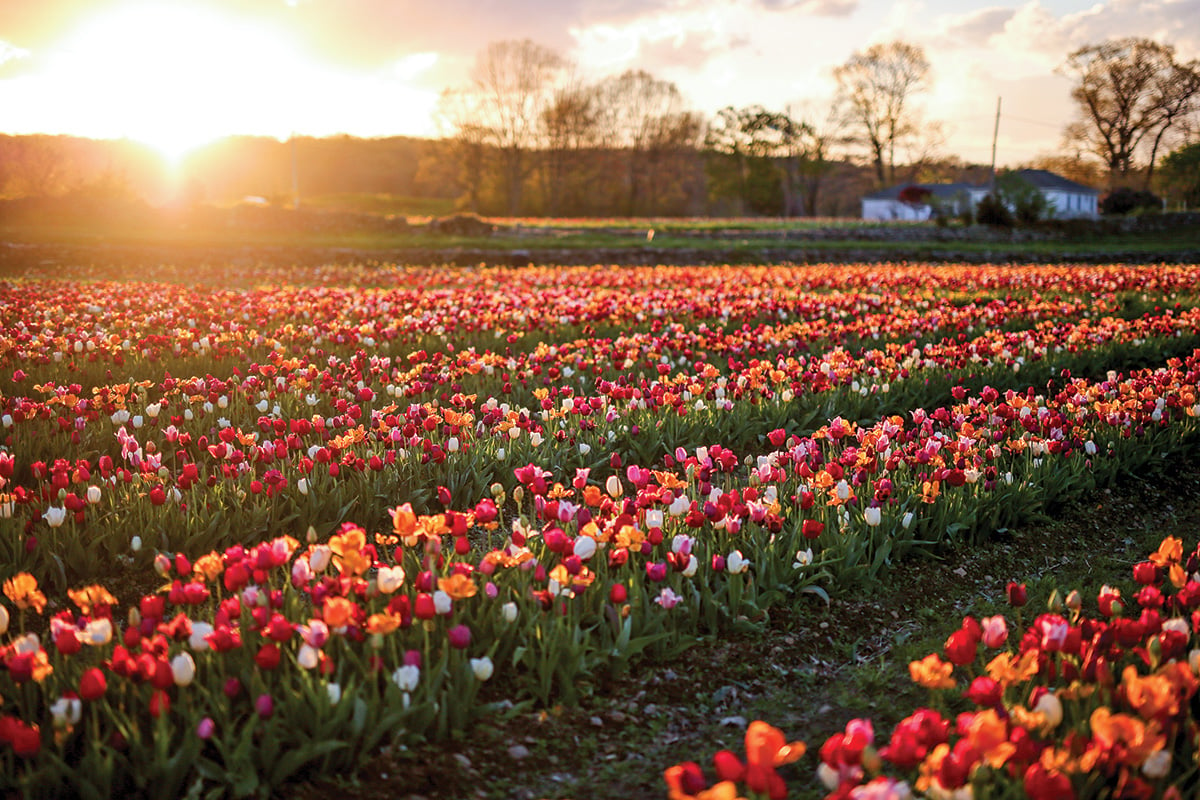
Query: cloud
814	8
977	27
690	50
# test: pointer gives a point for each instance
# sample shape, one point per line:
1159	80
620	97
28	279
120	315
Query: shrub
1125	200
991	210
1025	200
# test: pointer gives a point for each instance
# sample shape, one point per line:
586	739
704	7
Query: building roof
1040	178
945	190
1043	179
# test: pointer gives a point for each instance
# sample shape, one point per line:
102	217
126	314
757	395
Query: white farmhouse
886	204
1066	198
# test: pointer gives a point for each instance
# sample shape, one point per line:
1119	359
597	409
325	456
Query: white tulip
97	633
67	711
442	602
183	669
320	557
585	547
197	640
307	656
736	563
482	667
406	677
1051	707
390	579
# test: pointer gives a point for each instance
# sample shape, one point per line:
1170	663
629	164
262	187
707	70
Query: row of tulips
722	282
255	663
196	449
91	331
1086	701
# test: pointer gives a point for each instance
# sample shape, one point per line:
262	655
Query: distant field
415	239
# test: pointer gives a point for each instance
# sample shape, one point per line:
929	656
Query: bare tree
875	89
513	82
39	165
570	136
646	119
467	142
1131	92
808	161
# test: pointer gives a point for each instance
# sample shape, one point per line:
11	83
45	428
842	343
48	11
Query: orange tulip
932	673
458	586
22	590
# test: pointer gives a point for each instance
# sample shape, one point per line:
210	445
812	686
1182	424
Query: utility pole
995	135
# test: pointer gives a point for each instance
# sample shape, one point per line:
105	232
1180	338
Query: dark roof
946	190
1044	179
1040	178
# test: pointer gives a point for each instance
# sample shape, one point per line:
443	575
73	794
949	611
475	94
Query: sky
178	73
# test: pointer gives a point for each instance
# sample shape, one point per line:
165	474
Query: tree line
529	135
526	133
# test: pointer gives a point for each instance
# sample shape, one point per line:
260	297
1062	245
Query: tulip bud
206	728
1055	602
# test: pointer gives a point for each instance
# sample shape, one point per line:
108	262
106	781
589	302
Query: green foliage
1124	200
1026	201
1180	175
991	210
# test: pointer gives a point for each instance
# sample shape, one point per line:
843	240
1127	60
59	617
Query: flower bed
363	503
1082	704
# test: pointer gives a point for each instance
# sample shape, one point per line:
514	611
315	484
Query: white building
1066	199
886	204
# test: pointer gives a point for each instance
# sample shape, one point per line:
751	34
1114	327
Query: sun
176	75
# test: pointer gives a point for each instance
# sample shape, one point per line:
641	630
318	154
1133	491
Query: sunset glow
177	73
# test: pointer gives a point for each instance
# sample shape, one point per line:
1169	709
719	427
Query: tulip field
257	524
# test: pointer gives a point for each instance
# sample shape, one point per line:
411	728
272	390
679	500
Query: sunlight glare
176	76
